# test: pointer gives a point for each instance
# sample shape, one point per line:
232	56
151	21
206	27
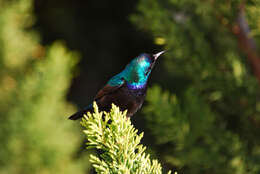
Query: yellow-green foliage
114	134
35	135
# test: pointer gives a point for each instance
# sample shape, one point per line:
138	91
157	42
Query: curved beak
158	54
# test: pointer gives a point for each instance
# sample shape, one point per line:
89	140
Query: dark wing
108	90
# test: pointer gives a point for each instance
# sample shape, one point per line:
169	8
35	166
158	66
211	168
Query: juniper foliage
119	141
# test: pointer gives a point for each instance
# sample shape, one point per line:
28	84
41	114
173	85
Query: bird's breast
133	99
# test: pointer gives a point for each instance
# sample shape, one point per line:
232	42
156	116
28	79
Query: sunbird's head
140	68
144	63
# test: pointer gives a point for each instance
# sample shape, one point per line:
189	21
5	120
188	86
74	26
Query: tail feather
80	114
77	115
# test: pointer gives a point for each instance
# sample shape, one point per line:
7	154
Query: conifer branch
114	134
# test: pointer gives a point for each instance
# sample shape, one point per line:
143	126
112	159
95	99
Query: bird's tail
80	114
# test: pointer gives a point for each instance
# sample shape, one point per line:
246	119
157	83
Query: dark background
105	38
101	32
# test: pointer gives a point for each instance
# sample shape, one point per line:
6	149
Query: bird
126	89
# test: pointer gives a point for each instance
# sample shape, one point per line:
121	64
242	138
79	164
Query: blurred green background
202	113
